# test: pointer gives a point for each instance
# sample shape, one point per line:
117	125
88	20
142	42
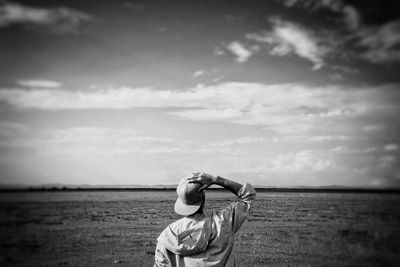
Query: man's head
189	200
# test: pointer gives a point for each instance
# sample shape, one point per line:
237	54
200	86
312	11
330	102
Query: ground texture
120	228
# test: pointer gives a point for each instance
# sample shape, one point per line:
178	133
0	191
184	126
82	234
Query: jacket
200	240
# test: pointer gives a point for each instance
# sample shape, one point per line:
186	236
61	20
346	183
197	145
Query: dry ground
120	228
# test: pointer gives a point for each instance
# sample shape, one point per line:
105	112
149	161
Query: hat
189	200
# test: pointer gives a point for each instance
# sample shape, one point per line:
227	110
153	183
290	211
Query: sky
274	93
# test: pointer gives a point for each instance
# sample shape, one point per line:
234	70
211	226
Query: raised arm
207	180
235	214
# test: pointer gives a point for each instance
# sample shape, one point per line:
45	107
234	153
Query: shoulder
177	222
172	228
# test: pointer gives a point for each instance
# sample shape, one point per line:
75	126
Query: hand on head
202	178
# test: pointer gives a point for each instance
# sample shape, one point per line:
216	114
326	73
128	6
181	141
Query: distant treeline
258	189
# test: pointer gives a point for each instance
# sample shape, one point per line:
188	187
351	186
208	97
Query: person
197	239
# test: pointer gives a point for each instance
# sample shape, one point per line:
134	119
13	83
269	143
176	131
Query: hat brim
184	209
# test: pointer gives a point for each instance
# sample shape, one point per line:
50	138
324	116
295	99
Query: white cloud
314	117
109	142
379	44
324	138
348	14
287	37
209	114
39	83
110	98
58	20
303	161
351	150
242	53
245	140
382	44
199	73
248	155
283	108
391	147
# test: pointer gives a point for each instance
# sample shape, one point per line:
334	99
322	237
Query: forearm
232	186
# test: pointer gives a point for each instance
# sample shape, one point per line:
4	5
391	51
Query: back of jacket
204	241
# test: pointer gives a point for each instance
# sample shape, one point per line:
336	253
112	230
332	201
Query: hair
200	209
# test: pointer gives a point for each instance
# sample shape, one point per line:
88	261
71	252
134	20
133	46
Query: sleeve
160	257
236	213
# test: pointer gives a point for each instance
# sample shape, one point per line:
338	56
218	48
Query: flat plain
120	228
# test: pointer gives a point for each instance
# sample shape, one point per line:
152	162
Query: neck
199	211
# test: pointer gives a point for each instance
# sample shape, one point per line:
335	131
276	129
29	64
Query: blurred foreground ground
120	228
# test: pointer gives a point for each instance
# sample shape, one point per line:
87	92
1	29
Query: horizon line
172	187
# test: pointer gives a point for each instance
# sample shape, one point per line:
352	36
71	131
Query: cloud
287	38
209	114
344	122
325	138
242	54
345	13
302	161
391	147
108	142
350	150
57	20
245	155
376	44
284	107
199	73
381	44
352	17
121	98
39	83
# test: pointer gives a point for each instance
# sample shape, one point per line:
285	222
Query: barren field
120	228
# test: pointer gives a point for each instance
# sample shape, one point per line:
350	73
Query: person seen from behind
197	239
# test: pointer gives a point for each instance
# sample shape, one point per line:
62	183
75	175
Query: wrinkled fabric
200	240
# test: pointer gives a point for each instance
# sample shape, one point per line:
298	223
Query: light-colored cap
189	200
